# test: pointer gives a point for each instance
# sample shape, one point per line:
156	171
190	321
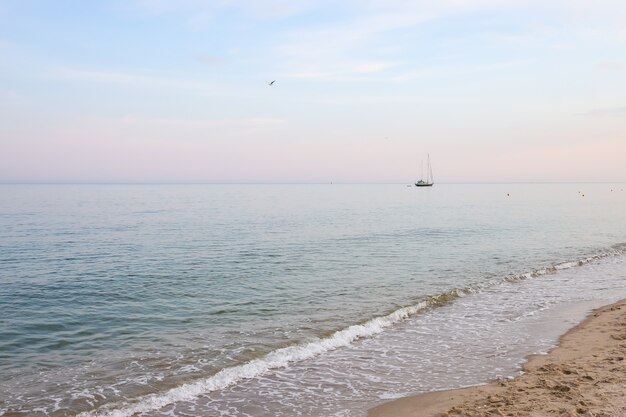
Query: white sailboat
428	182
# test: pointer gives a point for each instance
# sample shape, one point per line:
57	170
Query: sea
318	300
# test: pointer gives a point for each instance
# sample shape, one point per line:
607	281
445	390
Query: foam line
279	358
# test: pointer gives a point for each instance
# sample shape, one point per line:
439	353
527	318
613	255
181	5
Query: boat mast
430	172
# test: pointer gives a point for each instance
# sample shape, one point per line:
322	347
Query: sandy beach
585	375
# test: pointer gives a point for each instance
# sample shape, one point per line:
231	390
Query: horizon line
289	183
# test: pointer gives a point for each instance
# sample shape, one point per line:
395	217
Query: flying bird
271	82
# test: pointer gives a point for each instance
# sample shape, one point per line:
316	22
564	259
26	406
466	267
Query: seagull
272	82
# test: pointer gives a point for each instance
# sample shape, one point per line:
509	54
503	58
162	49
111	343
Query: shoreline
583	375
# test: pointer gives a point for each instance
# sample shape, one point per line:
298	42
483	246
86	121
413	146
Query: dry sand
584	376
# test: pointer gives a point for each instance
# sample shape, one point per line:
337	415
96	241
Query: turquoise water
285	299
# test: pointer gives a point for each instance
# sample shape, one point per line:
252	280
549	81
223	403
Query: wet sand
585	375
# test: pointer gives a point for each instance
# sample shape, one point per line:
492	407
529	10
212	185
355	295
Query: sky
177	91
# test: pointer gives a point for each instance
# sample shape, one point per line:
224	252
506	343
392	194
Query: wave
614	250
283	357
279	358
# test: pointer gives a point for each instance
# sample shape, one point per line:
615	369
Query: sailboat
429	176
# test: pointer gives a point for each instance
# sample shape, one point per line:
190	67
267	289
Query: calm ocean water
289	300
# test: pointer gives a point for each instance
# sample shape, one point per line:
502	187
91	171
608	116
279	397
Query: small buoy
507	194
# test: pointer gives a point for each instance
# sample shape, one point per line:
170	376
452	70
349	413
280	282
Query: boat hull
423	185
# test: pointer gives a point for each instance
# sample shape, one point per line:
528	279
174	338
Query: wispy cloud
348	71
209	60
607	112
457	70
138	80
615	66
370	67
263	121
254	121
308	74
106	76
361	38
367	41
209	8
415	74
342	50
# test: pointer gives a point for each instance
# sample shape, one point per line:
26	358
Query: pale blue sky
162	90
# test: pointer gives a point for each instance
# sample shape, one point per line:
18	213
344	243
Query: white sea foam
279	358
563	265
